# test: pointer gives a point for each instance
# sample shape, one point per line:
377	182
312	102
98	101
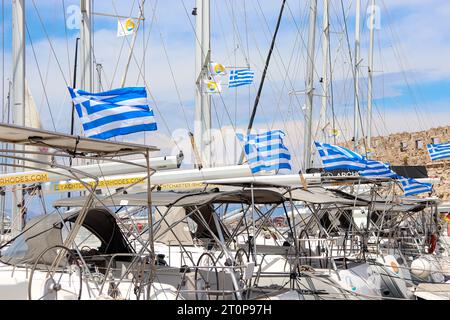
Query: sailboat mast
18	55
86	46
310	85
356	110
370	81
325	55
202	125
18	48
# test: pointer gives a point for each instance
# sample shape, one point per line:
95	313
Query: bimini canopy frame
180	199
70	144
75	147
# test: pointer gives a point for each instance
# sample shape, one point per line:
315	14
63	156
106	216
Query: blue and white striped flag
240	77
266	151
377	169
439	151
412	187
114	113
336	157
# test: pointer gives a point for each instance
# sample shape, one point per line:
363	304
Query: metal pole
370	89
310	86
325	53
2	208
294	233
133	42
253	226
263	78
18	65
149	204
86	44
74	85
356	110
225	251
202	124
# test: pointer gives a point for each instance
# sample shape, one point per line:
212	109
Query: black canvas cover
415	172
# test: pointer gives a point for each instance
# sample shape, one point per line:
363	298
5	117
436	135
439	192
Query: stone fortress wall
410	148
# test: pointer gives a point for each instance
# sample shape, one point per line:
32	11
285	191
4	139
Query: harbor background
410	149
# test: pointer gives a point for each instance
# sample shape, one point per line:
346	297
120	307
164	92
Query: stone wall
410	148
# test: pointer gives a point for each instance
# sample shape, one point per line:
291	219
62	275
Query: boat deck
433	291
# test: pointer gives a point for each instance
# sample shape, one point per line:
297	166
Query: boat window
192	225
84	238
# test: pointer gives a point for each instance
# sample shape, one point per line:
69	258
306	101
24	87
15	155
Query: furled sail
33	120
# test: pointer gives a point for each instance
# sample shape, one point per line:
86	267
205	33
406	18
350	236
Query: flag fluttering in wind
217	69
114	113
125	27
439	151
266	151
412	187
334	133
211	86
336	157
240	77
377	169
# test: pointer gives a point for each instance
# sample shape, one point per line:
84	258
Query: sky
411	69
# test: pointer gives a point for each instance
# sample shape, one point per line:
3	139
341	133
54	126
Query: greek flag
377	169
439	151
412	187
240	77
336	157
114	113
266	151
